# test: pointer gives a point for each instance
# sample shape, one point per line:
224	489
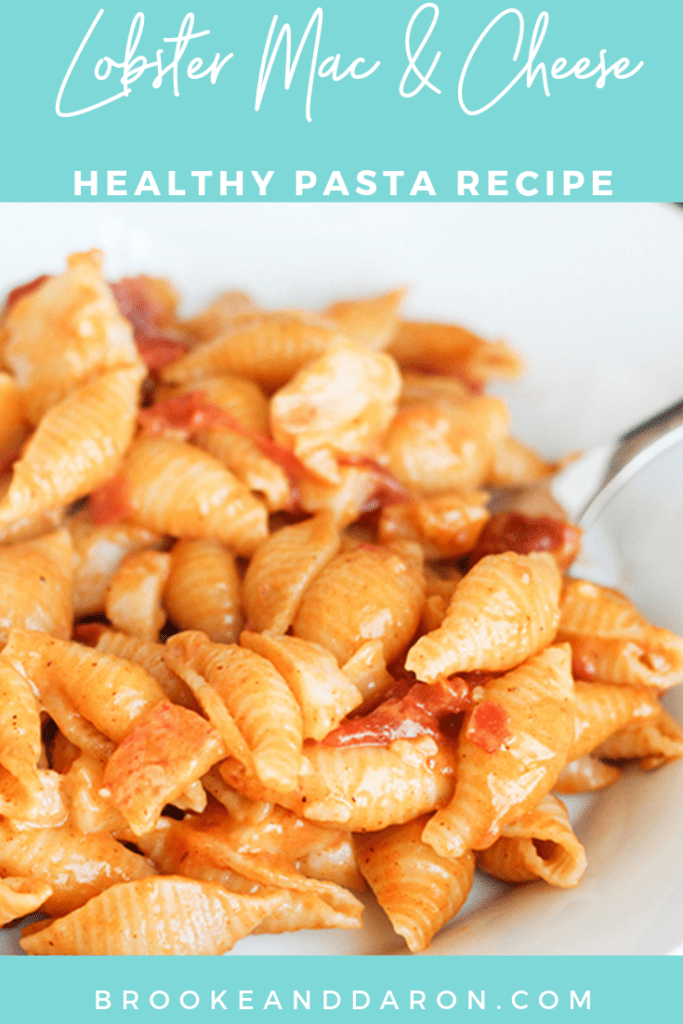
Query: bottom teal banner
557	989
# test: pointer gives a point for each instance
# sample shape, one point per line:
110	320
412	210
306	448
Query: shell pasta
267	642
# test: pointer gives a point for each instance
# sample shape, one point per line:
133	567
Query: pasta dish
285	616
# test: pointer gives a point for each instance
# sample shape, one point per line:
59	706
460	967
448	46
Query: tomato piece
109	503
488	726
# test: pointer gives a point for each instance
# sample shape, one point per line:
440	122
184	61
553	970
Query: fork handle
632	451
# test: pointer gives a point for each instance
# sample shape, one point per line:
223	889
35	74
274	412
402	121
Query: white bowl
591	295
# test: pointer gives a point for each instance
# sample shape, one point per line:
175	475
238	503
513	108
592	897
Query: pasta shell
28	527
267	852
219	315
76	867
107	691
611	641
245	402
35	586
539	844
362	789
370	322
20	896
502	612
654	742
248	702
268	348
433	389
175	488
169	847
585	775
418	890
366	594
324	693
499	782
19	730
151	657
169	916
76	729
367	670
239	396
283	567
334	863
193	798
297	910
203	590
242	457
345	500
77	446
447	348
27	793
238	806
605	708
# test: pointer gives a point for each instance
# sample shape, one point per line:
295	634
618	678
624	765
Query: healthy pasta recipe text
284	616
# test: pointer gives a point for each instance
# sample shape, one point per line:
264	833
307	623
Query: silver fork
586	486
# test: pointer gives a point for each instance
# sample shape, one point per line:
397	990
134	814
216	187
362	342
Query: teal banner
110	990
350	101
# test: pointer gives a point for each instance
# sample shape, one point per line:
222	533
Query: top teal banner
349	101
